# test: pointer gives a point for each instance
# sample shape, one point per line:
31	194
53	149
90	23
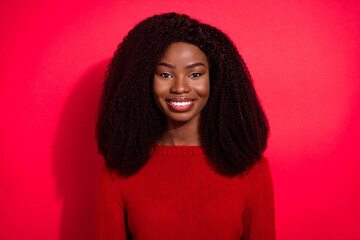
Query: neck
180	134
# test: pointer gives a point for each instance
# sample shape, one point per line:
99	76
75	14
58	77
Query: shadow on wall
75	159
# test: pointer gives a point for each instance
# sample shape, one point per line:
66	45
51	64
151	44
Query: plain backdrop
304	59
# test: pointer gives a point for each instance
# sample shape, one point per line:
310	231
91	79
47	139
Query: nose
180	85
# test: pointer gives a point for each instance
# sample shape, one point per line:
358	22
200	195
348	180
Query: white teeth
180	103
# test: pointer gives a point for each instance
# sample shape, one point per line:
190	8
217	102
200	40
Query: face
181	83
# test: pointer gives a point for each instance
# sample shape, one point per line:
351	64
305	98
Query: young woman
182	133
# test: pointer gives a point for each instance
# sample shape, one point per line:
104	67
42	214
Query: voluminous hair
233	128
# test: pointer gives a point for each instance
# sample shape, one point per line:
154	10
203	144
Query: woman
182	133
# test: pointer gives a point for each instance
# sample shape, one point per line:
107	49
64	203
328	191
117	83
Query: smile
180	106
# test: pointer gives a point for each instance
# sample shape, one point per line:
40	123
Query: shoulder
104	177
108	184
261	166
109	176
258	167
108	173
258	172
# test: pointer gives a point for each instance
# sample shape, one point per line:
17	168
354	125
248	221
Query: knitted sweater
176	195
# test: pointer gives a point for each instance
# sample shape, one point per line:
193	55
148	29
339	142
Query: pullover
177	195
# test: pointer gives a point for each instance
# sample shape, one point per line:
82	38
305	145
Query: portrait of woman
182	133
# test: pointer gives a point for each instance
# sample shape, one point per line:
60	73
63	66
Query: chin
180	119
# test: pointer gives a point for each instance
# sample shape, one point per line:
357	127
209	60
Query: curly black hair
233	127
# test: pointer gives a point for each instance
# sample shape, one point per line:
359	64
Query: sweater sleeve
110	217
259	212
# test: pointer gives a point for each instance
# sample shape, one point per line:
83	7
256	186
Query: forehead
181	52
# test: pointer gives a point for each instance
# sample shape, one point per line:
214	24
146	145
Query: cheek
203	89
158	91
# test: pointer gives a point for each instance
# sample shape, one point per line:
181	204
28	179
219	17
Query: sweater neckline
177	150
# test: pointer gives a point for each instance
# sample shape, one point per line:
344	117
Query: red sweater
176	195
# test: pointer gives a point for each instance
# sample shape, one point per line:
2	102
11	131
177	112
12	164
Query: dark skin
181	88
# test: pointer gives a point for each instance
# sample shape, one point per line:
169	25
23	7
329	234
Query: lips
180	104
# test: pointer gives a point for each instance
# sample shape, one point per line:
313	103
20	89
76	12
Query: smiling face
181	83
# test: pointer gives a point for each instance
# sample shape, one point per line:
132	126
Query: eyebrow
188	66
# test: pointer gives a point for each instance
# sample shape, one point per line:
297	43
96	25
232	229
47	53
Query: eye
195	75
165	75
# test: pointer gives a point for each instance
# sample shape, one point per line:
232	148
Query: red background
304	58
